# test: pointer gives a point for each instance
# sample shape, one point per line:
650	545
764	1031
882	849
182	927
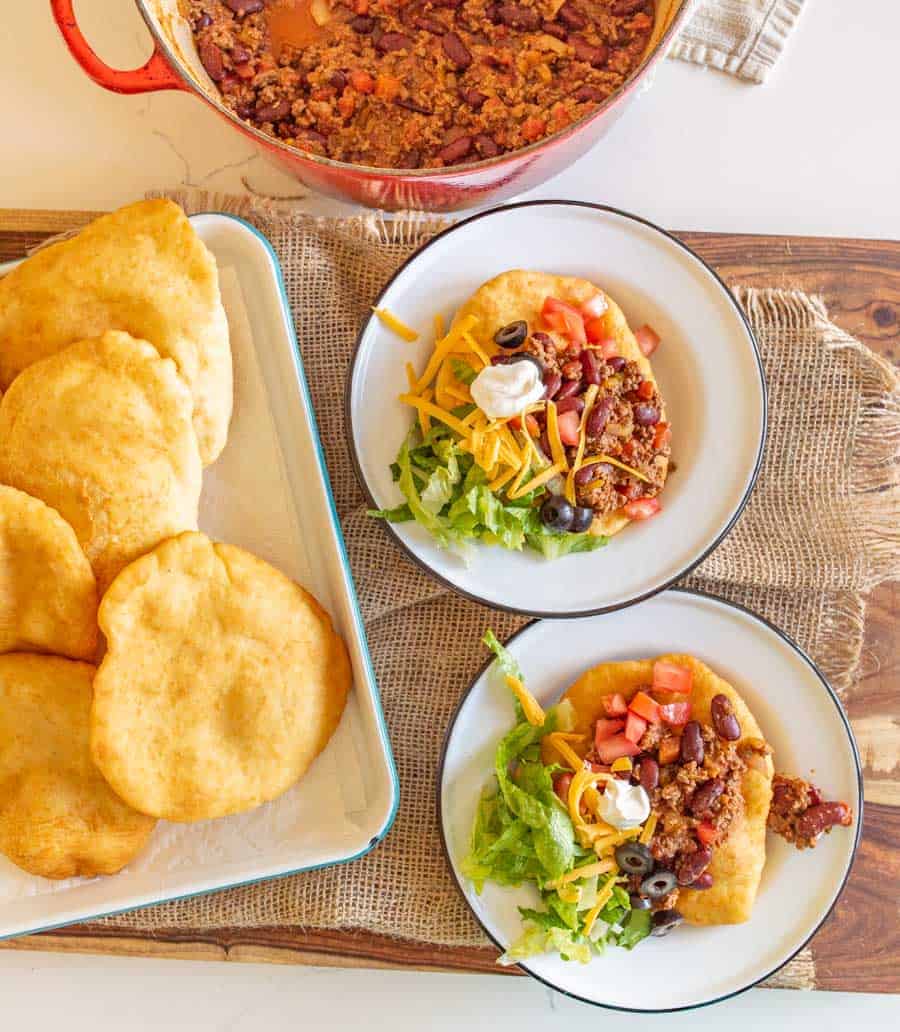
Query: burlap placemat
820	530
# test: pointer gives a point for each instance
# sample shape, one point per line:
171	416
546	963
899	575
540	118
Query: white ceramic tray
268	492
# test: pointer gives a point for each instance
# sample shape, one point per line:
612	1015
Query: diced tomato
635	727
645	390
706	833
594	307
561	785
569	422
595	329
346	104
362	6
604	729
642	508
609	349
645	707
647	339
615	705
534	128
387	87
627	450
574	322
556	321
675	713
661	435
671	677
245	70
362	81
612	748
532	426
669	750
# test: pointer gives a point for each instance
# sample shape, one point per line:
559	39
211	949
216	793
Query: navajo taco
638	802
539	420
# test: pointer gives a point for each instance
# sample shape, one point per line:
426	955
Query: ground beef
800	815
420	83
671	801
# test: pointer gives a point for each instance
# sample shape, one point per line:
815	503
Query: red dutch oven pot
174	65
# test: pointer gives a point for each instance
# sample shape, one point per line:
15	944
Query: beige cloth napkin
742	37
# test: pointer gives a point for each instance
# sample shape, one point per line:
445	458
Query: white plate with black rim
802	720
708	367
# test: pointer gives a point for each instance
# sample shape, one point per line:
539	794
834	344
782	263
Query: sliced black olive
634	858
659	884
639	902
557	513
511	335
523	356
583	518
664	921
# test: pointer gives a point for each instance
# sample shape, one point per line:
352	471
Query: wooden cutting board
858	948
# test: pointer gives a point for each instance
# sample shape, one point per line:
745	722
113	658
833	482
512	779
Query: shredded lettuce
522	834
448	494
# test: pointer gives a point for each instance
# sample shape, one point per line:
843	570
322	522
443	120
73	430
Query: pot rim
418	174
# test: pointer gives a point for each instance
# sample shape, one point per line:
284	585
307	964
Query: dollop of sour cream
624	805
501	391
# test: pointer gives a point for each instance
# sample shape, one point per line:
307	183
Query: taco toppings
656	785
538	421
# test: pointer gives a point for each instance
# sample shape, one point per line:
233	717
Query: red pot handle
156	74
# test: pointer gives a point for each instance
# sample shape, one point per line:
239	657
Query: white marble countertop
816	151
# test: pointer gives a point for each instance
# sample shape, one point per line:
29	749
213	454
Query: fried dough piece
142	270
102	433
58	817
48	597
222	682
520	294
737	863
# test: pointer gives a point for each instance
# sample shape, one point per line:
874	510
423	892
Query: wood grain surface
858	948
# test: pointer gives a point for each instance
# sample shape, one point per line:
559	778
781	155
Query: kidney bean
545	443
203	22
813	795
363	24
552	383
590	367
239	54
571	405
474	98
569	388
557	31
518	17
273	112
588	473
649	769
704	881
561	785
629	6
571	17
596	56
446	3
244	7
243	109
646	415
705	796
599	416
456	50
723	718
692	743
312	138
782	800
486	146
589	95
211	59
456	150
338	80
820	818
392	41
411	104
616	363
690	867
432	25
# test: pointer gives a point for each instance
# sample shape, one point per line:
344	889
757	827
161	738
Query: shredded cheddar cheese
648	829
623	763
532	709
603	897
590	397
591	460
556	445
585	871
437	412
558	741
395	325
548	474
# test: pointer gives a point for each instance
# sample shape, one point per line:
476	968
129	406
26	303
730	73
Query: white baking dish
268	492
